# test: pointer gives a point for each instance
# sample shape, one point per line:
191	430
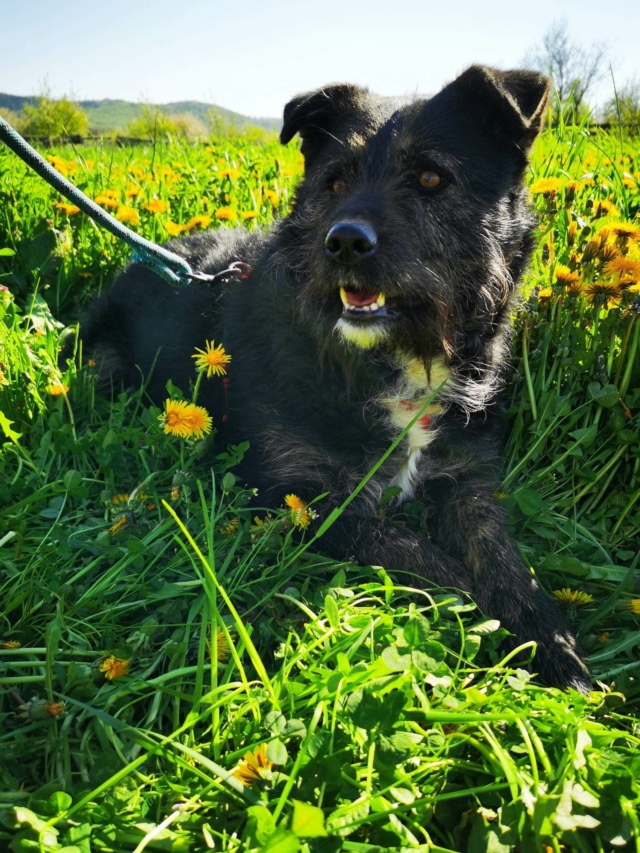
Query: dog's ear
508	103
315	115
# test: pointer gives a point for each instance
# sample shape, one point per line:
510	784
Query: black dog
395	273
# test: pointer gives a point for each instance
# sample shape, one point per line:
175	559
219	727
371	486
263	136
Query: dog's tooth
343	296
380	300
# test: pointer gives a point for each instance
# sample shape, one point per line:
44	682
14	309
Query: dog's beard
363	335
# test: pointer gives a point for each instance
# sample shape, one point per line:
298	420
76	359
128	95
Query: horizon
287	49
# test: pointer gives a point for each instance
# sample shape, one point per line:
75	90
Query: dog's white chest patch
410	399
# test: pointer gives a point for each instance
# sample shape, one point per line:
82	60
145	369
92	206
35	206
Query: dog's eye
429	180
339	187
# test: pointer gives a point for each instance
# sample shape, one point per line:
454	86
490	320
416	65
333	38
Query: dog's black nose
350	242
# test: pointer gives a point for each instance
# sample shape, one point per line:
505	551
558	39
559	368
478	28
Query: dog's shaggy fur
380	303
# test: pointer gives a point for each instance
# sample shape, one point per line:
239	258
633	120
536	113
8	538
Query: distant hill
110	114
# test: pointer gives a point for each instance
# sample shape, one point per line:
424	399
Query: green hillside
109	114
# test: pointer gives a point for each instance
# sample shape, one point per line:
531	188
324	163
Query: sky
252	56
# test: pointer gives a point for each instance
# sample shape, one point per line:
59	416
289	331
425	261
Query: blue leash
168	265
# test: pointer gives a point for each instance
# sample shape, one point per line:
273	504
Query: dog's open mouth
363	307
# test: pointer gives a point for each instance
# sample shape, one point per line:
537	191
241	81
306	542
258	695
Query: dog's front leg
375	541
467	524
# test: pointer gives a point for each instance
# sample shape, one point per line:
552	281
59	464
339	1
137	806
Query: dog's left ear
509	103
316	115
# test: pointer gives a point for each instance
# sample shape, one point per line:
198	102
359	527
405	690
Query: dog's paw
560	664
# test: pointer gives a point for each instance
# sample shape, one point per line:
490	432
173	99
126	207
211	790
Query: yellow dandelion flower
254	767
572	187
223	649
56	387
572	596
114	667
226	214
174	418
575	288
132	191
128	214
572	231
603	293
198	421
54	709
626	231
199	222
69	209
230	527
174	228
119	500
603	207
232	174
106	201
565	276
546	186
625	268
213	359
250	214
273	197
634	605
604	637
544	296
608	253
58	164
301	514
118	525
591	249
10	644
175	493
156	205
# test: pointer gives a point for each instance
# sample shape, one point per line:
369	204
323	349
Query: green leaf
307	821
363	709
260	825
416	632
331	609
59	801
529	501
72	479
487	626
275	722
5	425
80	836
7	253
606	396
341	819
282	841
294	728
277	752
583	741
585	436
228	481
395	660
38	249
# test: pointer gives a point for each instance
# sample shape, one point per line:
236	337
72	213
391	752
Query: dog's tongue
357	298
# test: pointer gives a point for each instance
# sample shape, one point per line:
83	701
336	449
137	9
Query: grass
178	673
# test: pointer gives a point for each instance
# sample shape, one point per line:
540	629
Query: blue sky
252	56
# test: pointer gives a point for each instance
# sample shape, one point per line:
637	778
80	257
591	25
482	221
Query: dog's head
410	228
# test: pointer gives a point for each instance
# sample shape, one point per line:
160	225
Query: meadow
179	672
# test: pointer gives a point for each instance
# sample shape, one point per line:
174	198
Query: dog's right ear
316	115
